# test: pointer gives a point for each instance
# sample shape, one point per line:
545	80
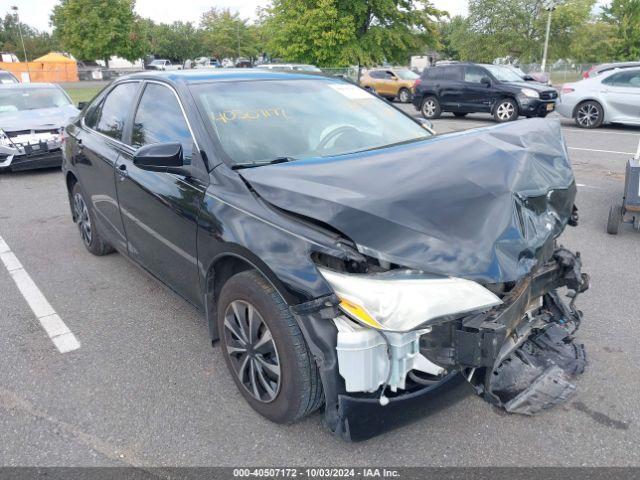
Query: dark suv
464	88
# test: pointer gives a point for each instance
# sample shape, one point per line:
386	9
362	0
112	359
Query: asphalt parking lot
146	387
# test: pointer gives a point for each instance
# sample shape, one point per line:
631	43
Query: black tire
615	219
84	217
589	114
430	108
297	390
404	95
506	110
460	114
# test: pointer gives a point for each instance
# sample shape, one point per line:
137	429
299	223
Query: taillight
417	82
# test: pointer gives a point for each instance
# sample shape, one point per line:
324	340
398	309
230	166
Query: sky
36	12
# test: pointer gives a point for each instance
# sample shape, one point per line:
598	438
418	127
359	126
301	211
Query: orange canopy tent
52	67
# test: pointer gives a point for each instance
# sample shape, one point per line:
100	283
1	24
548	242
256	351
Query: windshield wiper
239	166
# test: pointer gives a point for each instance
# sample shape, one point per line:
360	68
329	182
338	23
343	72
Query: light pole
24	50
550	6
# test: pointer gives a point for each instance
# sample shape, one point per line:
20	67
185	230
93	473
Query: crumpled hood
484	205
40	119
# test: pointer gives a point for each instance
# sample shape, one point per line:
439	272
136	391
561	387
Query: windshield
407	75
503	74
265	120
17	99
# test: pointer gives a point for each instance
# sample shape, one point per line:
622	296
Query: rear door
621	92
98	146
159	210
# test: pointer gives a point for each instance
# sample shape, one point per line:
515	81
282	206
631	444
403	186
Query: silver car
32	116
611	97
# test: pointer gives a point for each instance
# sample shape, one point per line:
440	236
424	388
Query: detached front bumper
533	324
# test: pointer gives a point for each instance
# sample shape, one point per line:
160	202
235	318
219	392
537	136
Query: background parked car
611	97
605	67
390	83
90	70
32	116
464	88
207	62
7	77
540	77
163	64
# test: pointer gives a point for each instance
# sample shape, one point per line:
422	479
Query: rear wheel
615	219
430	108
265	351
84	218
404	95
589	114
506	110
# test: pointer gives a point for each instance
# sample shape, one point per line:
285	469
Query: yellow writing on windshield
259	114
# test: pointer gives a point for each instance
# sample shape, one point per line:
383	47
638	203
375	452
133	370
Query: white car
162	64
611	97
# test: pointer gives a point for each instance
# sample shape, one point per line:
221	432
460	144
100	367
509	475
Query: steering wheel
334	134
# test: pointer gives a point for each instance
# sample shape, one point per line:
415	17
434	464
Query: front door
476	96
160	210
99	143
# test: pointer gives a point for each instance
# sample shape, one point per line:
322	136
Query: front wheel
589	114
430	108
265	351
615	219
506	110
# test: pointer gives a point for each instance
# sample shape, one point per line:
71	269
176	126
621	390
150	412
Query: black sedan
341	254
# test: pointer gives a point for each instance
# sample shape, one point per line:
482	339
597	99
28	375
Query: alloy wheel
82	218
587	115
404	96
252	351
506	110
429	108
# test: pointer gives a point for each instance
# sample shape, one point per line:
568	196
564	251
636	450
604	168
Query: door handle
122	171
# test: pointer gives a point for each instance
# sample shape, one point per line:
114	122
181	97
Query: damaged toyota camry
342	255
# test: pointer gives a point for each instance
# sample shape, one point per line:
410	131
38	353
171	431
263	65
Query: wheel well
222	270
575	109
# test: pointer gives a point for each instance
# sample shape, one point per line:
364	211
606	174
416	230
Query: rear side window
452	73
115	109
159	119
624	79
432	73
377	74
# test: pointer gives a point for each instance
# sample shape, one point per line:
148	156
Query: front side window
262	120
115	109
159	119
473	74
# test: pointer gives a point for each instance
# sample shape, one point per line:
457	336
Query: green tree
516	28
226	35
344	32
594	42
624	15
92	29
177	41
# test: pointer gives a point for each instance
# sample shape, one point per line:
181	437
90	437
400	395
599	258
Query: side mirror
81	105
161	157
485	81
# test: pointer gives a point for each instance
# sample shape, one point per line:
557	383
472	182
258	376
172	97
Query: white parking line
59	333
600	151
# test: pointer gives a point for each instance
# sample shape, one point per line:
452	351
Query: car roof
223	74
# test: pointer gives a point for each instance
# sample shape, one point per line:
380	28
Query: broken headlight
404	300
